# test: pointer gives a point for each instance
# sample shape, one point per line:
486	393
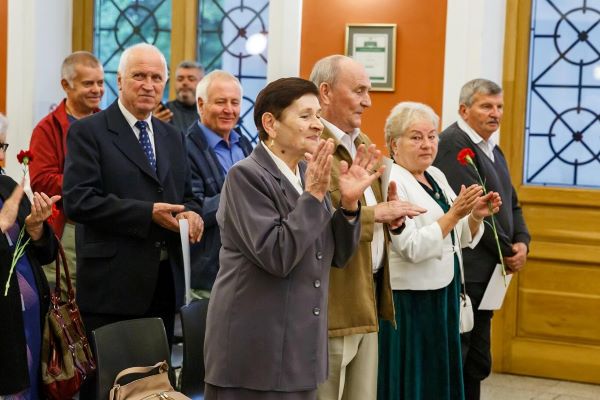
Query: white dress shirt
378	242
131	120
487	146
292	176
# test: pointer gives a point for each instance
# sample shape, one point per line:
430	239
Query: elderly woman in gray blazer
421	358
266	334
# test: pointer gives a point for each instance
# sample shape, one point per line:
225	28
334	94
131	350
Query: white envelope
184	231
495	291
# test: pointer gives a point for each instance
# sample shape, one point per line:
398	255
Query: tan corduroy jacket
353	307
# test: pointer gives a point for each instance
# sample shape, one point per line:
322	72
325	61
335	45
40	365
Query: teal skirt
421	360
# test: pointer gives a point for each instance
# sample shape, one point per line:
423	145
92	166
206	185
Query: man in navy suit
213	147
480	109
126	184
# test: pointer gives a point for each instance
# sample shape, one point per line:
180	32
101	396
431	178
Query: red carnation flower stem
472	164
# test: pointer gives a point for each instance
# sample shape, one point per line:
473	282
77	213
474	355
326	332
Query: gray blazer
267	318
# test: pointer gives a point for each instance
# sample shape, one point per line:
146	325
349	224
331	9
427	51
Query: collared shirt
131	120
227	153
377	245
487	146
292	176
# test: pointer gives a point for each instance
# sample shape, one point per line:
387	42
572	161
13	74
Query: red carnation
54	214
465	156
25	157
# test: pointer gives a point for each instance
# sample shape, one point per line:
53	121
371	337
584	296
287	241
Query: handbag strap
458	251
161	365
61	258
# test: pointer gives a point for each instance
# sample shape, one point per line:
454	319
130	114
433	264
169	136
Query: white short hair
327	69
402	116
140	46
217	74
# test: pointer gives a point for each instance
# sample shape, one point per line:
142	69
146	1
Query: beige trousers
68	243
352	368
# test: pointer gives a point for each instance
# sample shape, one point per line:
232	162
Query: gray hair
124	61
189	64
3	125
67	70
402	116
327	69
217	74
477	86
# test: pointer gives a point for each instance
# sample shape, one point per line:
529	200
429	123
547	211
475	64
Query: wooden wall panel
559	302
548	359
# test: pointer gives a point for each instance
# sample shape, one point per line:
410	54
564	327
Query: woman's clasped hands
471	201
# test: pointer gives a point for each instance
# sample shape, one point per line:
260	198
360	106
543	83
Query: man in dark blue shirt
213	147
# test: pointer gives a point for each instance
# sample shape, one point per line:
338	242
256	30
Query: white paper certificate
184	231
385	177
495	291
371	50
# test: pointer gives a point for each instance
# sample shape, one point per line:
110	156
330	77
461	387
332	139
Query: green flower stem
19	251
472	164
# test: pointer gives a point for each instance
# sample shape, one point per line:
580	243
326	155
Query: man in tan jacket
360	292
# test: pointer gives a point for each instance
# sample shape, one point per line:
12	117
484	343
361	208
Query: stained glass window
232	36
122	23
563	121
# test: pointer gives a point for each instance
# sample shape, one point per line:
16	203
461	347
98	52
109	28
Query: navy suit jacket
480	262
109	190
207	182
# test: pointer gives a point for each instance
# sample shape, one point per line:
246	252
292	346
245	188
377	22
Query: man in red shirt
82	79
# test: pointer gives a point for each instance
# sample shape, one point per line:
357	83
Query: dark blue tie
145	142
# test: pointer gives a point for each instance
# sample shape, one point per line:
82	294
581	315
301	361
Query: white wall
39	38
474	48
285	28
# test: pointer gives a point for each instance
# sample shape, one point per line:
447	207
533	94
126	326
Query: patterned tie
145	142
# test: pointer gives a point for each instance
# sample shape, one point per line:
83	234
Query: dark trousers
162	306
476	345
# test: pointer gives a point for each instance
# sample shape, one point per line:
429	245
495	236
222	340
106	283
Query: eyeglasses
3	146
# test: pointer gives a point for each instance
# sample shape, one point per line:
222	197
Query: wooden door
550	323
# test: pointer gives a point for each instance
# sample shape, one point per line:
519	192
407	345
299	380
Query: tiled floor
514	387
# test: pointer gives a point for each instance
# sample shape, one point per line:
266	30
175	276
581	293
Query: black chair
193	322
133	343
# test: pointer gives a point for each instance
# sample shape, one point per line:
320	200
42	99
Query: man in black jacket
127	182
480	110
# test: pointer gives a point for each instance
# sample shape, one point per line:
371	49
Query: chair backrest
133	343
193	324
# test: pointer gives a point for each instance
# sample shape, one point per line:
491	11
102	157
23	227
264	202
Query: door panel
549	325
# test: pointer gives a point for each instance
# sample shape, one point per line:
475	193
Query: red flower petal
54	214
464	155
25	157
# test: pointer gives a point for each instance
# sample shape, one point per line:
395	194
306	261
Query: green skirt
421	360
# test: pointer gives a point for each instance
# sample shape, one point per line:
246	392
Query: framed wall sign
374	46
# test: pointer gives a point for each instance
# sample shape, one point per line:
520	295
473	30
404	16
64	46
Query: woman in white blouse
422	359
